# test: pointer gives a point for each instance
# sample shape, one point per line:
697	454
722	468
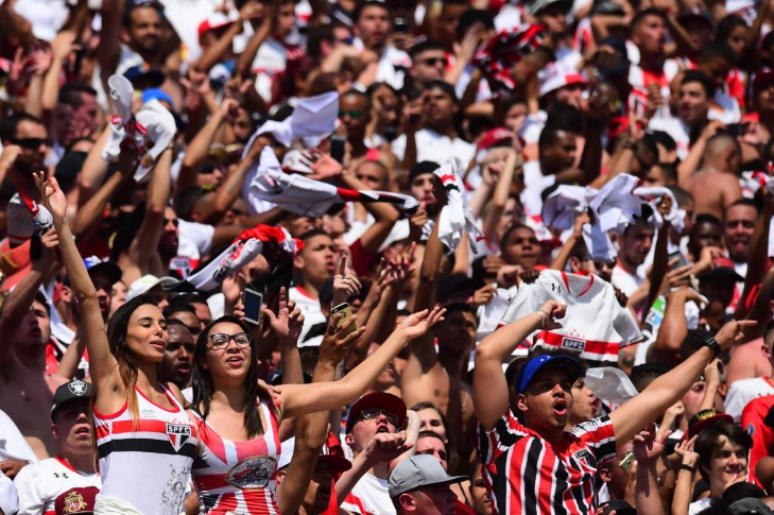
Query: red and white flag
456	217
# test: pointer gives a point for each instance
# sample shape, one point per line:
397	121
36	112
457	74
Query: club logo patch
76	387
74	502
178	435
573	344
252	473
585	458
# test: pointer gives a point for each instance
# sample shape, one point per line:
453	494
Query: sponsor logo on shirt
178	435
573	344
74	502
252	473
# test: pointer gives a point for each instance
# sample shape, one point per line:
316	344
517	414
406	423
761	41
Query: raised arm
101	362
214	54
490	389
300	399
262	33
385	215
648	447
665	390
560	263
19	301
109	49
143	248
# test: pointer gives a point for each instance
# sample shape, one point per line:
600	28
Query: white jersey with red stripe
39	484
146	462
237	477
369	496
525	474
596	325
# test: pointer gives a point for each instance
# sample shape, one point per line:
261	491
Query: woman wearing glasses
145	439
237	420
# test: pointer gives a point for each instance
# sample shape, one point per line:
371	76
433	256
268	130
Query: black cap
75	390
422	168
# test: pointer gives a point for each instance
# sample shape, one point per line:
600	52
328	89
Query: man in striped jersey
532	464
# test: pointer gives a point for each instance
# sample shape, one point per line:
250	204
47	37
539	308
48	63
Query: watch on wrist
714	346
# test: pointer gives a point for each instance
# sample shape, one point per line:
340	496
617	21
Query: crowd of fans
386	257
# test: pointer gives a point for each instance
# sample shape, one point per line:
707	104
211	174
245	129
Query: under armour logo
555	287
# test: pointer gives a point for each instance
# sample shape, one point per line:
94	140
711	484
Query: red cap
385	401
704	419
493	137
215	21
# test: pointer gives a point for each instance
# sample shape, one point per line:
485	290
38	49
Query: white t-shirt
677	129
699	506
625	281
13	446
370	496
743	391
435	147
195	239
534	184
393	64
39	484
312	312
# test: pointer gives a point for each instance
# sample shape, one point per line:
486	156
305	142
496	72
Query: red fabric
362	260
762	435
506	48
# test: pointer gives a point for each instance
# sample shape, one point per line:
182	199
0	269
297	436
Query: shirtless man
716	186
26	325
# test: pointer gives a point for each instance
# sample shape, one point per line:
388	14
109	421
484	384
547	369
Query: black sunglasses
32	143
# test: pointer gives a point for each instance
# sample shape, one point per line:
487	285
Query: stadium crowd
386	257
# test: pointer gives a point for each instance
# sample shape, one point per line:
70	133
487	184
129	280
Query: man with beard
431	133
740	220
76	116
175	367
39	484
25	322
635	245
140	29
158	229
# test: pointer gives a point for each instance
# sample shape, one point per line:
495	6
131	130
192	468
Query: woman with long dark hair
145	439
237	420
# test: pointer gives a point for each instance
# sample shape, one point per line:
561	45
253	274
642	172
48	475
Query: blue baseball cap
571	365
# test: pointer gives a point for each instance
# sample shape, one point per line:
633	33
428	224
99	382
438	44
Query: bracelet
543	316
713	345
689	468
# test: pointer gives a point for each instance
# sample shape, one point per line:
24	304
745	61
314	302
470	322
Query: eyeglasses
433	61
32	143
373	414
352	113
221	340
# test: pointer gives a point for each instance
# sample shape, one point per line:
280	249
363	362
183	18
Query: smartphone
736	129
401	25
346	320
681	259
252	301
338	147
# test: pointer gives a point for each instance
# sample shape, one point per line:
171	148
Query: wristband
713	345
543	316
689	468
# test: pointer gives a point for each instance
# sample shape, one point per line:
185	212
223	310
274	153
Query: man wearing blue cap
532	464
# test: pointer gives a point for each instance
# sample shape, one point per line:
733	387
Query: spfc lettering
178	435
572	344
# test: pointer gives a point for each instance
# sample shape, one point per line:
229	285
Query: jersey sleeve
753	420
494	443
599	435
30	501
199	234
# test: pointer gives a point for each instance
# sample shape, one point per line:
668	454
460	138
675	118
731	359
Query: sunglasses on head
31	143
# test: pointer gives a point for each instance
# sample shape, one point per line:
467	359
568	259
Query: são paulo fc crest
74	502
178	435
77	387
252	473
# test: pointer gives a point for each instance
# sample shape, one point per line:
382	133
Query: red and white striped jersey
39	484
524	474
237	477
146	462
369	496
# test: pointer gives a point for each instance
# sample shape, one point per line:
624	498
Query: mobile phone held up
252	301
346	320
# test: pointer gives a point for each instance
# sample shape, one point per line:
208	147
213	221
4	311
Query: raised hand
732	332
337	342
648	446
325	167
345	283
288	322
385	447
417	324
549	312
685	451
52	196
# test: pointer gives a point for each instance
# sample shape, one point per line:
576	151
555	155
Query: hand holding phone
346	320
253	302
